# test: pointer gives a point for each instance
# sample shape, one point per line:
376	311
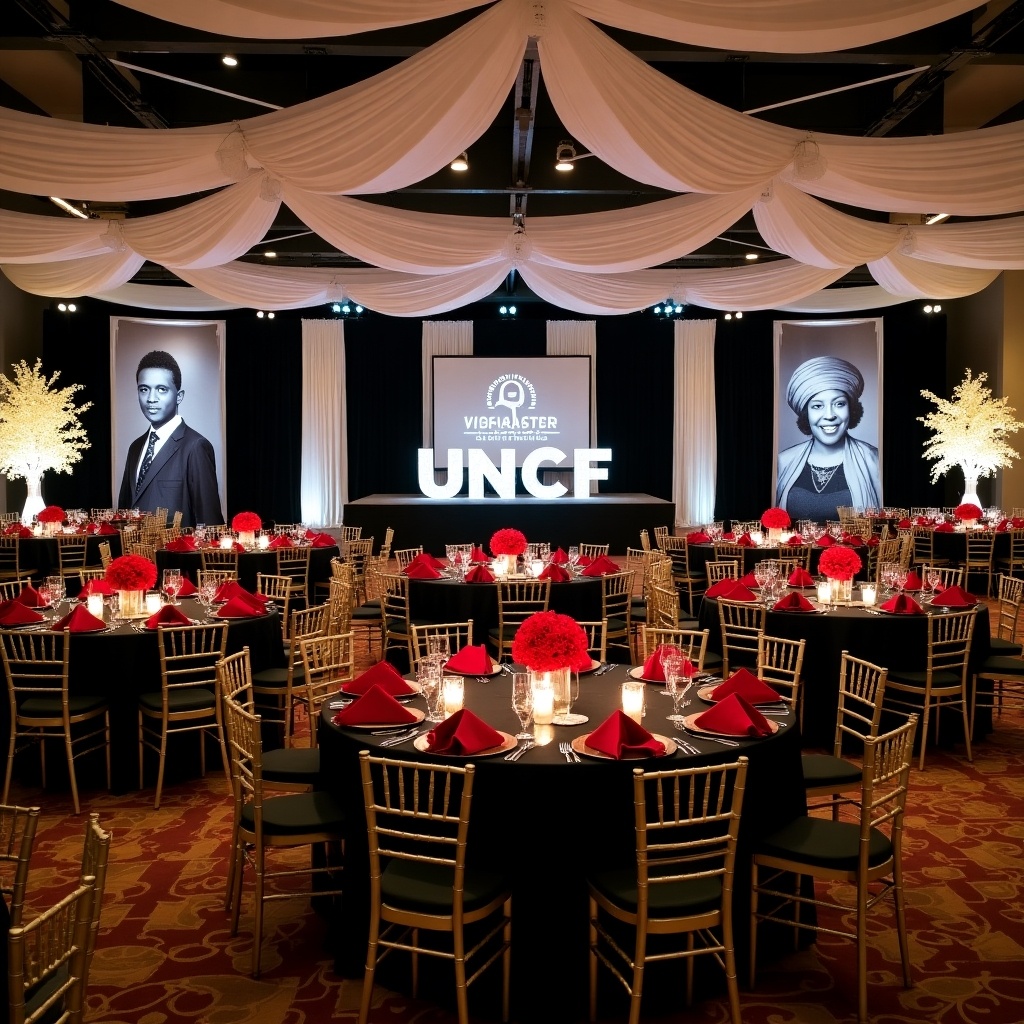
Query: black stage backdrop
384	395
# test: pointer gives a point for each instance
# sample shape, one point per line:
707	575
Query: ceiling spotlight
335	307
565	156
229	61
728	316
750	256
657	309
72	308
503	310
62	306
512	310
935	309
270	316
927	309
460	163
68	208
678	309
937	218
359	309
346	308
260	314
270	254
739	315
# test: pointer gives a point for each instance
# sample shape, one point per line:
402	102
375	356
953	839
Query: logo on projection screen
512	399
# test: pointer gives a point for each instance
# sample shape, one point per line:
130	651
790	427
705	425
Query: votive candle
227	543
824	593
543	702
263	542
633	700
454	692
868	595
94	602
154	602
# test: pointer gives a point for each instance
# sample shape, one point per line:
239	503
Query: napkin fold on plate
382	674
734	716
421	571
944	528
902	604
283	541
167	616
463	735
559	557
826	540
904	524
800	577
732	590
375	707
479	574
955	597
618	736
478	555
744	683
232	588
470	661
795	539
555	573
106	530
101	587
697	537
748	580
30	597
654	668
744	540
14	613
793	602
238	608
914	582
79	620
323	540
721	588
188	588
187	543
600	566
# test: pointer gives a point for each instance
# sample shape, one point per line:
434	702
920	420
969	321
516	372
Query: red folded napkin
826	540
232	589
95	587
944	528
1016	522
382	674
470	661
955	597
734	716
750	580
181	544
619	736
555	573
584	560
283	541
375	707
463	734
437	563
167	616
479	574
721	588
904	524
14	613
106	530
421	571
923	521
914	581
800	577
793	602
238	608
79	620
479	555
1003	524
654	668
323	540
90	528
733	590
697	537
795	539
746	685
29	597
744	540
188	588
729	535
902	604
600	566
872	541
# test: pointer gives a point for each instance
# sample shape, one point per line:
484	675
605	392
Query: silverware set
402	737
709	739
568	753
601	671
514	755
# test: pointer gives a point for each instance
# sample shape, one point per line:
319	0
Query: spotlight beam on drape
695	438
323	487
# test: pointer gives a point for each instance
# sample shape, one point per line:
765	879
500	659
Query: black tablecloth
250	564
40	554
548	823
893	641
701	554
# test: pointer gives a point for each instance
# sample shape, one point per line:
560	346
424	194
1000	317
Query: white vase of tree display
39	429
969	431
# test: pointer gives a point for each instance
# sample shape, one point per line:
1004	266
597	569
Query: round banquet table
120	664
446	600
893	641
547	823
40	553
701	554
250	564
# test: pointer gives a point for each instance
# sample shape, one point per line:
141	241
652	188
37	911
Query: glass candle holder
868	595
454	691
825	594
543	701
94	602
227	542
633	699
154	602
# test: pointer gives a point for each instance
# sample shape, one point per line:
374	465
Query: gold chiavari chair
597	639
17	836
616	607
980	556
692	642
327	662
593	551
727	569
219	559
11	567
279	590
405	555
780	663
949	575
742	623
459	634
293	562
517	601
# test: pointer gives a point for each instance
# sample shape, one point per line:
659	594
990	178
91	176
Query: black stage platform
613	519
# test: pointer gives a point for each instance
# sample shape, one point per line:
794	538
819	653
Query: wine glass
438	647
672	662
55	585
429	677
207	592
172	584
522	703
574	557
934	579
900	578
676	686
572	694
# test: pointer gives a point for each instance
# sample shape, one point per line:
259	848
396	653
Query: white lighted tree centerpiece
970	432
39	429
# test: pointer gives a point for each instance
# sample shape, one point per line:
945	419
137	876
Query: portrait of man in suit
171	465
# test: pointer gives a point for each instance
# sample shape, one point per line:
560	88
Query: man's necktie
147	460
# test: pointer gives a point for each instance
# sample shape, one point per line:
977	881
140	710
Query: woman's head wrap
823	373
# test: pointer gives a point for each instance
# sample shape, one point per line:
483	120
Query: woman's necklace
821	475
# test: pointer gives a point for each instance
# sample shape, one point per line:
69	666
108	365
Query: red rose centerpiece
51	517
968	513
131	576
552	647
775	520
245	525
839	564
506	546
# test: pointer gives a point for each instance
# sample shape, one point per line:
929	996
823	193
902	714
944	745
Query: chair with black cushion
396	622
71	551
187	700
866	854
690	583
597	639
780	663
517	601
366	620
924	546
616	609
41	708
942	680
1010	595
17	835
95	852
418	826
279	590
328	661
293	562
47	961
1004	672
680	883
742	623
341	598
263	824
980	555
458	635
11	567
1012	563
861	691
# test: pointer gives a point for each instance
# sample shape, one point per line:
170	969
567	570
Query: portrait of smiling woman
832	467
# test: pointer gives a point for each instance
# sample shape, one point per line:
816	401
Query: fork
570	755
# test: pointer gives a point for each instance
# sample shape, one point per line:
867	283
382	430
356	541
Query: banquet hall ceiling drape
313	157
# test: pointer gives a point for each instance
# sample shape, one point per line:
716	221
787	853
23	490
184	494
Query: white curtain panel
440	338
575	338
695	441
323	489
784	26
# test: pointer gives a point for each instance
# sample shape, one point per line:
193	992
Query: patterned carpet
165	953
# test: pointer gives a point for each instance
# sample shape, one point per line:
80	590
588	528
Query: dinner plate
637	673
419	716
401	697
507	743
690	724
192	622
705	694
950	607
886	611
495	670
579	744
38	624
594	666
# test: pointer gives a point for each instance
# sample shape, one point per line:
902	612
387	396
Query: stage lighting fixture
565	156
512	310
270	316
335	307
260	313
68	208
460	163
270	254
229	61
751	256
728	316
739	315
346	308
503	310
62	306
359	309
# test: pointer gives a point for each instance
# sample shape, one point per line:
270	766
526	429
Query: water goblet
676	686
55	585
429	677
438	647
900	578
571	695
522	703
672	662
172	584
574	557
934	580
